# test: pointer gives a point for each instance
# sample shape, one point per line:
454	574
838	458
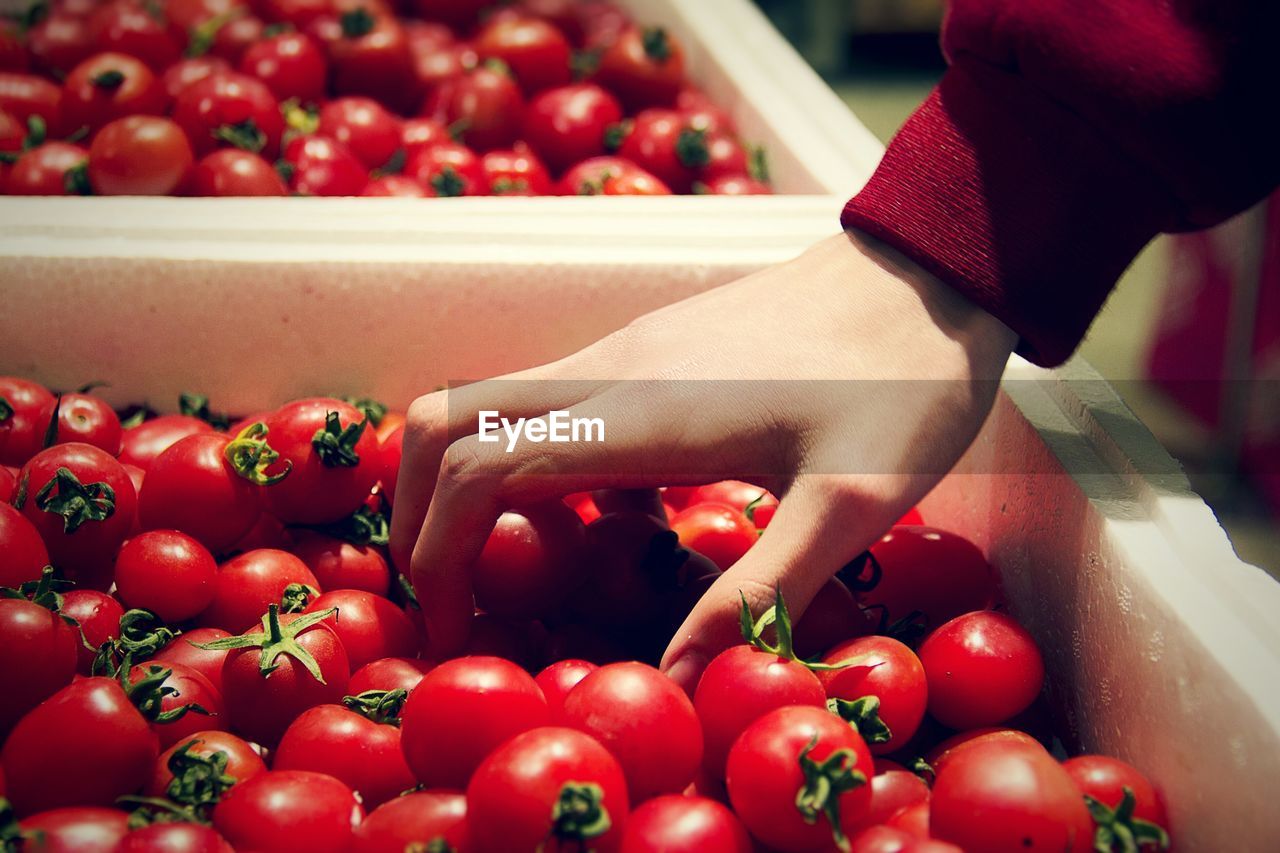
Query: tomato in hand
139	155
233	172
371	627
242	761
644	68
107	87
166	572
938	573
535	50
516	172
483	107
75	829
97	616
285	810
883	668
1121	795
414	821
717	531
53	168
388	674
23	426
24	553
291	65
515	793
684	824
331	451
248	583
530	562
363	127
447	170
141	444
635	565
230	109
38	651
833	616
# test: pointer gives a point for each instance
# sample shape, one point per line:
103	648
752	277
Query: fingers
822	523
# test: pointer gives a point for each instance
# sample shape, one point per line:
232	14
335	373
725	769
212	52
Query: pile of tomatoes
206	647
415	98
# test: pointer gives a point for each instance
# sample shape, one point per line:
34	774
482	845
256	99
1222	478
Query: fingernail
687	670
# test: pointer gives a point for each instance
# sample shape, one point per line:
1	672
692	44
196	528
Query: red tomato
436	64
24	553
516	172
166	572
891	792
394	186
388	674
703	112
83	503
140	445
180	75
12	135
412	821
1109	781
632	559
98	616
831	617
230	109
736	185
59	42
643	67
54	168
942	753
109	86
248	583
243	762
798	776
232	172
717	531
982	668
174	838
287	810
663	143
37	657
190	690
364	127
628	707
191	13
930	570
319	166
511	797
76	829
558	679
461	711
128	26
683	824
531	561
292	65
584	505
456	13
139	155
588	176
22	431
298	13
25	95
236	36
735	493
369	54
361	752
338	564
635	182
91	725
535	51
448	170
482	107
7	485
267	681
419	134
882	839
391	449
185	650
912	819
370	626
1008	797
886	669
332	454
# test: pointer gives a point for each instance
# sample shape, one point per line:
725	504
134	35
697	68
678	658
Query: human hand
808	383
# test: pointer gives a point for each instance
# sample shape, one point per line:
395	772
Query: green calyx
296	597
657	46
750	509
753	631
142	634
45	591
584	63
76	179
202	36
11	840
691	148
509	186
76	502
824	782
111	79
335	444
380	706
51	429
864	715
358	22
1118	831
197	406
365	526
276	639
6	410
403	593
435	845
198	784
579	813
924	770
617	133
758	163
245	135
299	120
149	692
852	573
250	456
448	183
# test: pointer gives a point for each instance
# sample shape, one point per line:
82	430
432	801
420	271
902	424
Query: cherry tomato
185	650
558	679
912	819
703	112
369	55
831	617
59	43
535	51
109	86
391	449
588	177
236	36
25	95
435	63
663	143
584	505
230	109
567	125
644	68
292	65
139	155
882	839
633	561
725	156
248	583
338	564
461	711
634	182
243	762
286	810
483	107
734	185
798	778
24	553
1109	780
516	172
332	453
129	26
98	617
298	13
394	186
190	688
140	445
457	13
717	531
232	172
684	824
54	168
944	751
180	75
511	797
935	572
531	561
418	134
448	169
37	657
735	493
174	838
75	829
22	431
388	674
191	13
364	127
414	821
982	668
886	669
891	792
370	626
166	572
83	503
319	166
1008	797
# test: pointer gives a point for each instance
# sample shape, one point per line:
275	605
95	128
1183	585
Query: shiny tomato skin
91	725
448	169
558	679
24	553
733	185
484	105
388	674
511	796
912	819
662	142
59	43
434	66
943	752
459	14
180	75
419	134
98	617
192	689
236	36
832	617
461	711
530	562
174	838
685	824
248	583
127	26
1104	778
1009	797
140	445
183	650
226	100
716	531
86	553
364	127
316	492
338	564
414	819
75	829
243	762
363	754
703	112
377	62
371	627
516	171
394	186
885	668
535	51
891	792
391	449
291	65
233	172
139	155
764	775
628	707
323	167
37	657
740	685
567	125
643	67
588	176
287	810
109	86
636	182
25	95
166	572
43	170
982	669
22	433
881	839
931	570
735	493
296	13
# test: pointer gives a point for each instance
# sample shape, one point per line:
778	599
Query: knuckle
460	466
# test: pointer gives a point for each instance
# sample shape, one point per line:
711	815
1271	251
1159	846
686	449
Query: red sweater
1064	136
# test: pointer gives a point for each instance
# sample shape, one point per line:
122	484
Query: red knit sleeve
1064	136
